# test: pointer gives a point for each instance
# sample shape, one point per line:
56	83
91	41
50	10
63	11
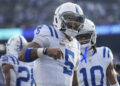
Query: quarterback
56	52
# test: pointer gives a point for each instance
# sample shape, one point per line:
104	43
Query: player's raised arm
40	46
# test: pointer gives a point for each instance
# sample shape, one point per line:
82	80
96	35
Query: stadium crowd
29	13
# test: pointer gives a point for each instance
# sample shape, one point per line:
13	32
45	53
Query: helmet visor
84	38
72	20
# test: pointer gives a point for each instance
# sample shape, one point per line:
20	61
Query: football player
99	64
55	50
16	73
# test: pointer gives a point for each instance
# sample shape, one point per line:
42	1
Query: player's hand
55	53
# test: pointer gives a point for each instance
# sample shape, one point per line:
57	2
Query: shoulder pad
45	30
107	53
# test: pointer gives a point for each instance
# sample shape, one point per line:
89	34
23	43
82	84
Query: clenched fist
55	53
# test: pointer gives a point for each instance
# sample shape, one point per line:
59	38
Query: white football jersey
50	72
93	73
24	71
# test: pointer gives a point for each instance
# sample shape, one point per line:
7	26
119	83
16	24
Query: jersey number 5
68	54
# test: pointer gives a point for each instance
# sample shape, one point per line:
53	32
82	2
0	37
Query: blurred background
20	17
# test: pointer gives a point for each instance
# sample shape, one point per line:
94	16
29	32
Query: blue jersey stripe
104	52
12	59
17	61
21	44
50	29
55	32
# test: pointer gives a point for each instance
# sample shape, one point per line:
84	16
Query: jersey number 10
92	73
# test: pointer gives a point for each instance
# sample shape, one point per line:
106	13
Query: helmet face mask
71	20
69	17
84	38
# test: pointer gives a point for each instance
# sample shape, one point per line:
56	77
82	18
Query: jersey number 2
27	78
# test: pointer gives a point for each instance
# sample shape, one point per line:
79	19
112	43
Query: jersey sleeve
42	35
9	59
111	54
107	55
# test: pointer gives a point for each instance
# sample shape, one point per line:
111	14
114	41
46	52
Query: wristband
40	52
27	55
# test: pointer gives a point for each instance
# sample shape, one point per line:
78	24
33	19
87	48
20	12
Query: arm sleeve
9	59
108	55
5	59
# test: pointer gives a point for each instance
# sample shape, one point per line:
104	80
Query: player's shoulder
46	30
103	47
105	51
10	59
